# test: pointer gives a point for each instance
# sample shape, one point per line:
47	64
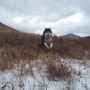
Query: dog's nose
48	34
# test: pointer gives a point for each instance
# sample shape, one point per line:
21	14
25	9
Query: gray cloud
63	16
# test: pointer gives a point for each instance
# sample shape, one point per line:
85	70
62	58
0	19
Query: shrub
57	72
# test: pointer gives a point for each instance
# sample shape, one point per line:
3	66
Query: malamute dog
47	38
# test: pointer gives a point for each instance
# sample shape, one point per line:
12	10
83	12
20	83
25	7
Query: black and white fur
47	38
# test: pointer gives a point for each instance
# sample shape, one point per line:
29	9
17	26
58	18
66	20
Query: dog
47	40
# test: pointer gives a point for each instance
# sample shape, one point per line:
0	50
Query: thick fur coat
47	40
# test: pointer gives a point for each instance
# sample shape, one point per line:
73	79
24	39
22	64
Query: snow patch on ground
15	79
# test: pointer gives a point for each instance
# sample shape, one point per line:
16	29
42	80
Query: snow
14	80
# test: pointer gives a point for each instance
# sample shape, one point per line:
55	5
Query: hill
70	35
5	28
14	45
88	37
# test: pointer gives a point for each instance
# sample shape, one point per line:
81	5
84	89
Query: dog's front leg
46	45
51	45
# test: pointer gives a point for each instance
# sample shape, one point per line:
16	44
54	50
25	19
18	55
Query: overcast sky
62	16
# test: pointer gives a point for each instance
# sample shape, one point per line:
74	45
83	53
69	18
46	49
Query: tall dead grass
15	46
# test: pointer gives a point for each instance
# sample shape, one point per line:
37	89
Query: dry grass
22	45
16	46
56	71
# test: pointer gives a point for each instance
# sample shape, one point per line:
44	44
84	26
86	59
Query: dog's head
47	32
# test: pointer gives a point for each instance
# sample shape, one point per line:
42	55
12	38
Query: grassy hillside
18	45
4	28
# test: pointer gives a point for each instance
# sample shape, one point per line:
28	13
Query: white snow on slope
80	79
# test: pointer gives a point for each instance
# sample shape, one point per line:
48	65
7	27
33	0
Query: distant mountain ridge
5	28
71	35
88	37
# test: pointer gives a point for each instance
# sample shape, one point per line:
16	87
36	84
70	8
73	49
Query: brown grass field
16	46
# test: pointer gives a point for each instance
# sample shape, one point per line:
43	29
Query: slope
4	28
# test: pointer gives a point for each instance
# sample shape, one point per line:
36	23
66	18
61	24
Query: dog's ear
50	29
44	31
